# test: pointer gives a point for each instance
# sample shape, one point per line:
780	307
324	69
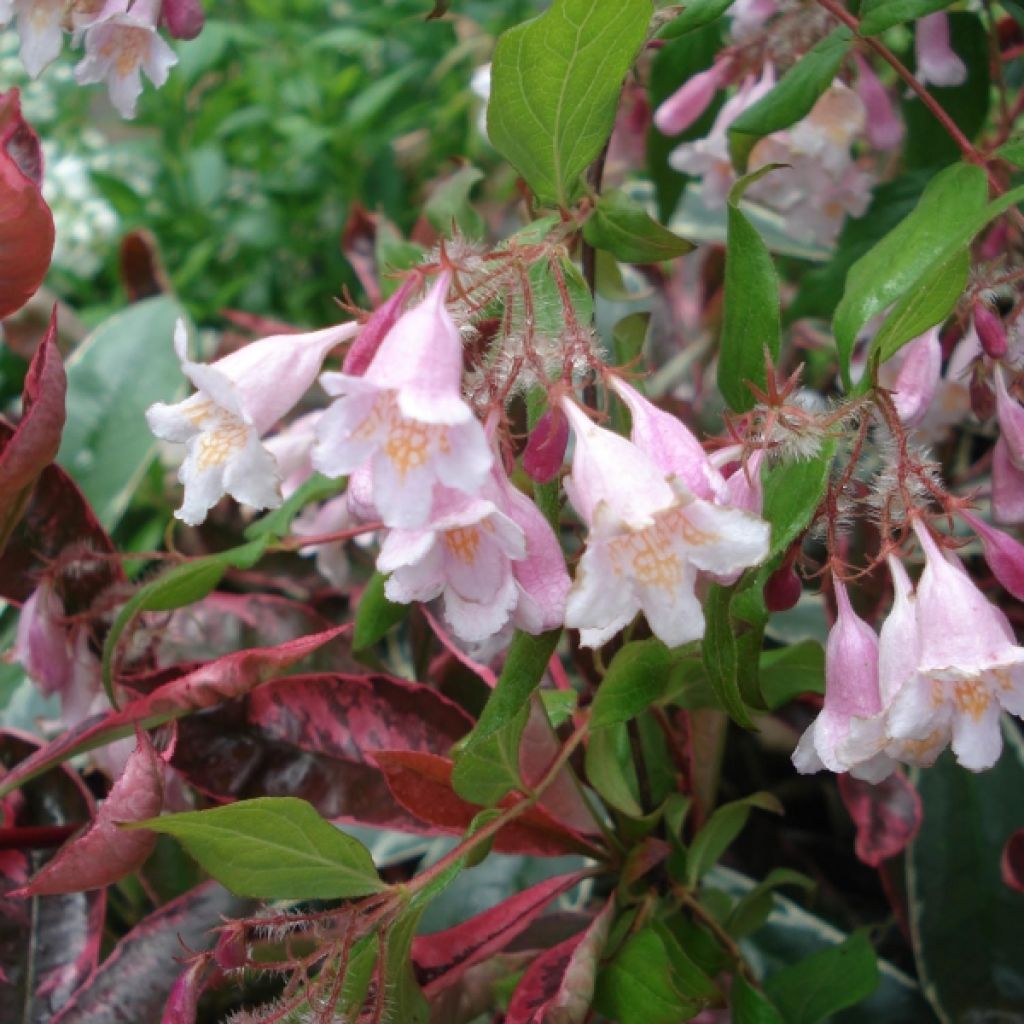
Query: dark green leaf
273	848
878	15
965	921
794	96
555	83
720	830
792	493
815	988
787	672
122	368
696	15
750	1006
375	615
721	659
637	676
750	320
628	338
1013	151
752	910
611	771
626	230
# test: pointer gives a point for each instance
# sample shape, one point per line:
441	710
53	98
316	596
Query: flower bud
230	952
783	589
184	18
851	662
688	102
989	326
994	243
936	61
1005	556
364	348
884	127
545	450
918	378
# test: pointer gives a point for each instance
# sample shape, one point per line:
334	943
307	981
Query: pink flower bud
884	127
184	18
782	590
851	662
364	348
1005	556
545	450
230	952
1011	420
918	377
936	61
994	244
989	326
743	487
688	102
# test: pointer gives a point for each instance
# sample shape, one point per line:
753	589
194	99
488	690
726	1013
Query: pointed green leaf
878	15
626	230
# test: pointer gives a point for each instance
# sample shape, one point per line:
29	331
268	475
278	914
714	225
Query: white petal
977	741
474	621
252	477
600	601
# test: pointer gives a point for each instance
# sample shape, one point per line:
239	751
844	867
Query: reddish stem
36	837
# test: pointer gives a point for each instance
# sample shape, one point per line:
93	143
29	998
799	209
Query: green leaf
750	1006
720	830
638	986
555	83
122	368
965	922
951	211
750	319
826	982
626	230
787	672
1013	150
487	762
637	676
721	659
629	336
752	910
275	848
794	96
276	524
687	977
449	204
375	615
696	15
611	771
878	15
792	493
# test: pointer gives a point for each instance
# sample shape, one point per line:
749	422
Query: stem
36	837
294	543
725	940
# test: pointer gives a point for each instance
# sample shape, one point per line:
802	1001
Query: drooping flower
40	30
883	125
649	535
936	60
238	399
1005	556
119	48
917	377
1011	420
690	100
1007	486
851	695
969	668
491	558
407	417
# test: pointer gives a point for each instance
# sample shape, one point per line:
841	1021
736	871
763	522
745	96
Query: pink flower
491	558
883	125
238	399
184	18
648	537
936	61
119	48
407	417
41	643
1011	420
851	695
917	378
690	100
969	669
40	28
1005	556
1007	486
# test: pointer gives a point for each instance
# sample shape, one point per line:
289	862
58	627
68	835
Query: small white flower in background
238	399
406	417
119	47
480	85
937	62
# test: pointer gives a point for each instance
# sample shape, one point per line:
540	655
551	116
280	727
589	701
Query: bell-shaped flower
918	377
690	100
491	558
648	537
1011	420
238	399
969	667
936	60
883	126
851	695
1005	556
1007	486
40	27
119	48
407	417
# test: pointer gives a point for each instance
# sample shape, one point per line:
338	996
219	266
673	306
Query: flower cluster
120	39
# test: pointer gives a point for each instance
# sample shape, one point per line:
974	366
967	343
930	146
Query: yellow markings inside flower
216	446
463	543
647	557
972	697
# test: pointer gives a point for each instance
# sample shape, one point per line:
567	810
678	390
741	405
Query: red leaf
887	815
211	684
1012	862
49	944
33	445
104	853
558	986
442	958
26	224
422	784
133	983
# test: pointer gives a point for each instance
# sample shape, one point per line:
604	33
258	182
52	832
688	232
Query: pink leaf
421	783
213	683
1012	862
104	853
26	224
887	815
442	958
183	1001
558	986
